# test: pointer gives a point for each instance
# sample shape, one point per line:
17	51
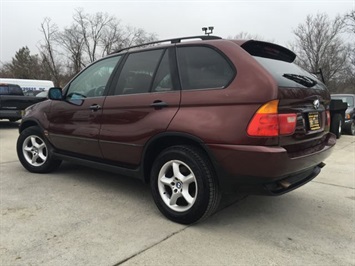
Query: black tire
351	130
34	151
336	125
186	173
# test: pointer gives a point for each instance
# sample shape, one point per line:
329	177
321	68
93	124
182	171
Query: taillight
328	118
267	122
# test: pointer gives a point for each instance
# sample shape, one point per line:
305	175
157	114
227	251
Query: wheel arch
164	140
27	124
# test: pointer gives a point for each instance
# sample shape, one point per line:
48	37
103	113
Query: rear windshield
288	74
9	89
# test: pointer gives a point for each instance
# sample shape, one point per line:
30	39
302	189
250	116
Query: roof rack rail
174	40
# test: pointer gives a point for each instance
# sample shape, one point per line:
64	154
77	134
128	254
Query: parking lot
81	216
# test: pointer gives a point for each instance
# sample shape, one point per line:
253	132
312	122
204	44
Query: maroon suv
192	118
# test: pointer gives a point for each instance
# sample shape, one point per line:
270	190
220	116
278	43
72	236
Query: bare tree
349	84
111	38
246	36
72	42
319	46
350	21
48	51
65	53
92	28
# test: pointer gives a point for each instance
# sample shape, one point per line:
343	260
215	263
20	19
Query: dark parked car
192	118
349	120
13	102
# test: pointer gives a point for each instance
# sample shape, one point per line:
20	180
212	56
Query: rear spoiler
269	50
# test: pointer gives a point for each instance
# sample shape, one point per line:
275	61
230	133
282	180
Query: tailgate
311	107
10	102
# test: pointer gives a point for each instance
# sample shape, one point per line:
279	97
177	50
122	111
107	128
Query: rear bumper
267	170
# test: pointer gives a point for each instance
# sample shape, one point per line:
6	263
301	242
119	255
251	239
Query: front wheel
34	153
184	185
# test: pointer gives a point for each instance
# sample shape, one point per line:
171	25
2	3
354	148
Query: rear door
75	121
141	104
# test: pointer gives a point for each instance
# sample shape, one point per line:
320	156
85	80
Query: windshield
346	99
288	74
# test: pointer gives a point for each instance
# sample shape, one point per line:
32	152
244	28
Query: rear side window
202	67
138	72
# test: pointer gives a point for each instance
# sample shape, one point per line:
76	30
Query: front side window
138	72
203	67
93	80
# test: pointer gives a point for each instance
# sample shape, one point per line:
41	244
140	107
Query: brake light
267	122
328	118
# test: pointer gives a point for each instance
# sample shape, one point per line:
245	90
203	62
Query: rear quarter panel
221	116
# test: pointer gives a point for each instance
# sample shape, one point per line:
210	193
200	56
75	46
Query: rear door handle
158	104
95	107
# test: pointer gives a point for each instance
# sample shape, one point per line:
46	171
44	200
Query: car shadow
8	125
130	189
136	192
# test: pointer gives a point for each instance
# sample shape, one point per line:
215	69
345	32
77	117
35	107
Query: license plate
313	119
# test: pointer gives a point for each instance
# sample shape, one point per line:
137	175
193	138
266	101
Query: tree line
322	44
64	53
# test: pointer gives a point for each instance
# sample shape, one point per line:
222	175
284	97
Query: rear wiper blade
305	81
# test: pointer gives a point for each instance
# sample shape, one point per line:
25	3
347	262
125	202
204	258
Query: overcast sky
273	20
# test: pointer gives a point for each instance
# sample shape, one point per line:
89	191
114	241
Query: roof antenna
209	29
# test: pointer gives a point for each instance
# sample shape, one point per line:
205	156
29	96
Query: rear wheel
336	125
184	185
34	152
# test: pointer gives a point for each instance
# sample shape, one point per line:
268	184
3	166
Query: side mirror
55	94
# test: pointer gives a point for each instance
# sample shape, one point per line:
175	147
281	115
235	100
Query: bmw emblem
316	104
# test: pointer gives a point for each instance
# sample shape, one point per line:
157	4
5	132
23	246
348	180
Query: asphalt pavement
81	216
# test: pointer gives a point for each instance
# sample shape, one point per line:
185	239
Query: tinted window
163	81
93	80
138	71
203	67
4	90
15	90
283	71
10	89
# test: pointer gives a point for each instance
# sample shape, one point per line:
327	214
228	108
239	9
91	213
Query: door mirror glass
55	94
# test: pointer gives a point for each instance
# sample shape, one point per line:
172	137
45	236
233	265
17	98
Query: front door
75	121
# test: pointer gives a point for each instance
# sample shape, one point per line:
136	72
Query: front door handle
95	107
158	104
